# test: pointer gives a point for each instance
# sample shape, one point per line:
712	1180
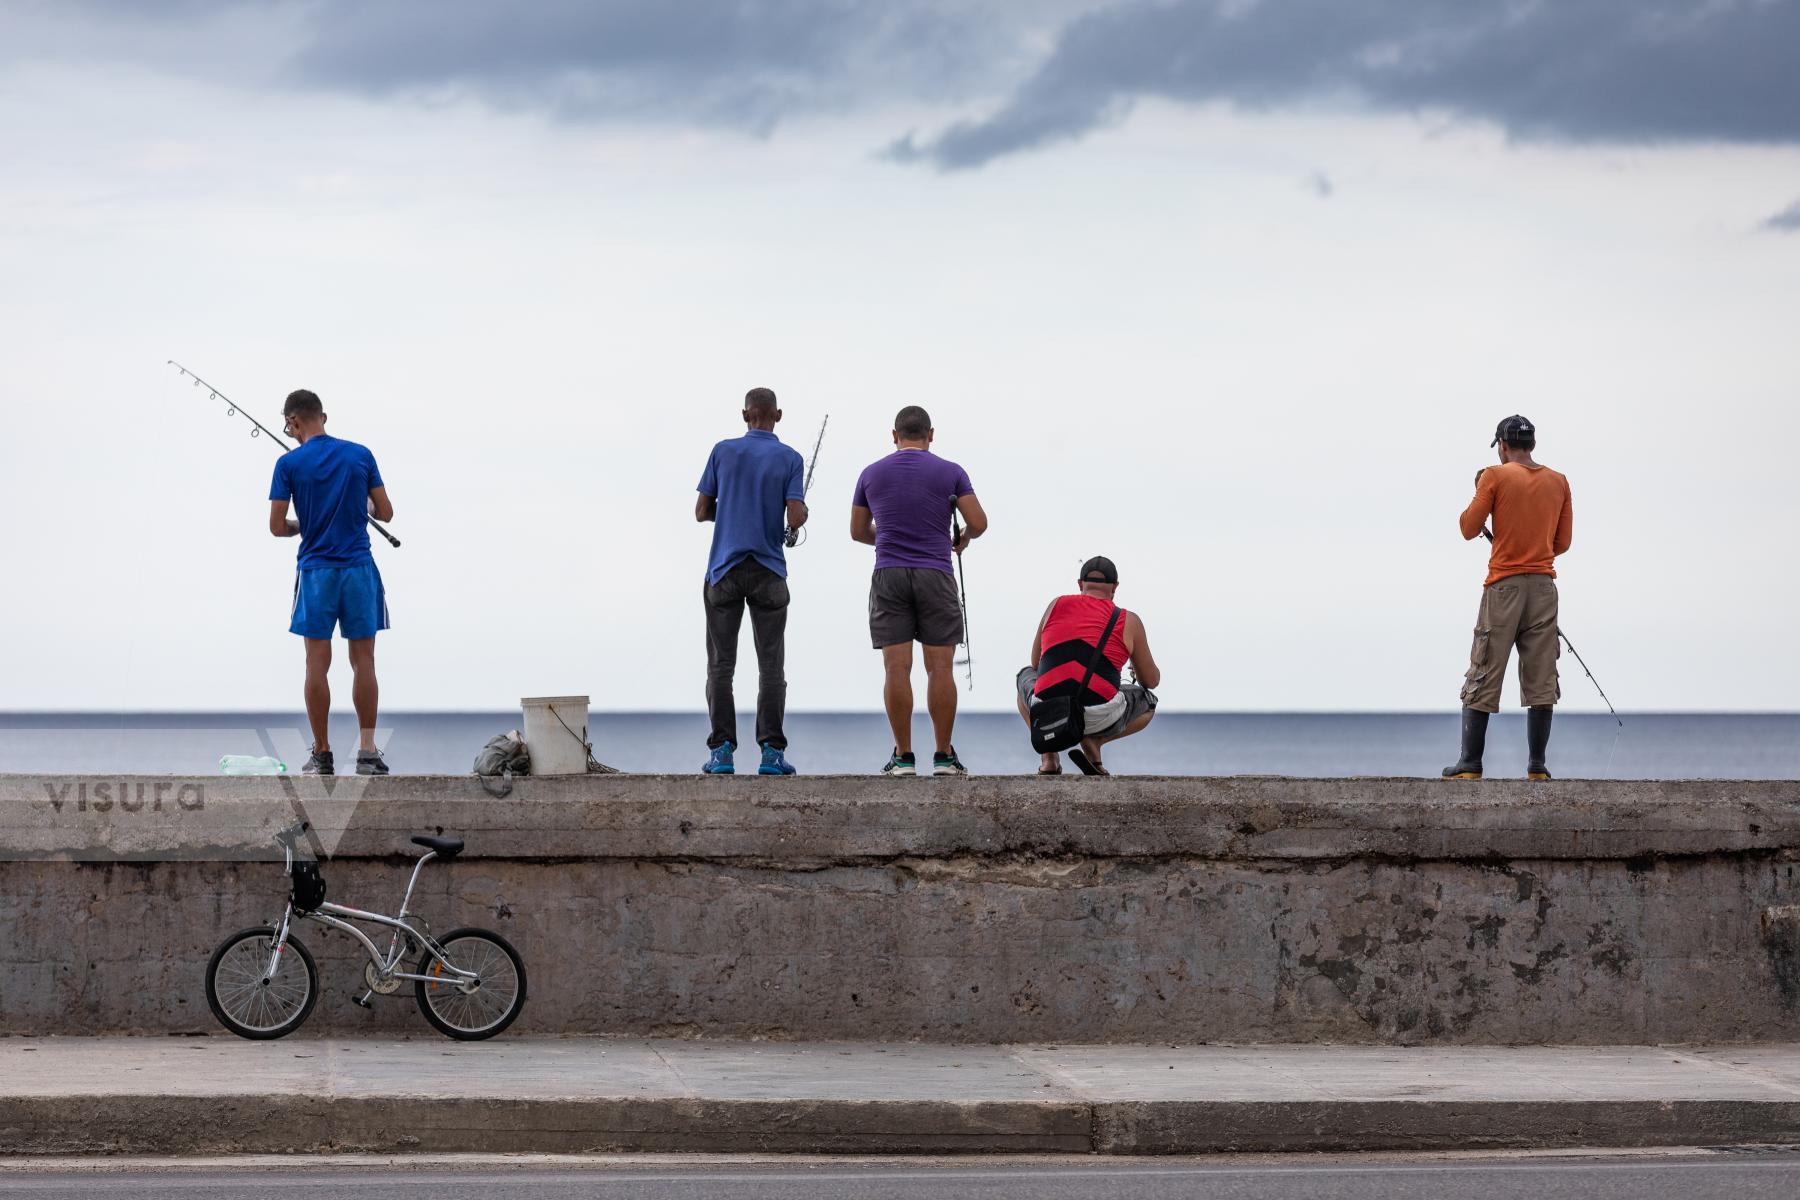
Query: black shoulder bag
1059	723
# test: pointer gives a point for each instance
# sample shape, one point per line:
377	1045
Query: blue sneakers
774	762
720	762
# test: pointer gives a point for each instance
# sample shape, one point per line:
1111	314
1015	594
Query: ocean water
1585	745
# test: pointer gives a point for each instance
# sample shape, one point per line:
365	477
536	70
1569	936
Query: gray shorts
1138	701
914	604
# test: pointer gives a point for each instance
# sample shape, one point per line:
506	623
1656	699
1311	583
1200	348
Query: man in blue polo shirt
335	488
751	487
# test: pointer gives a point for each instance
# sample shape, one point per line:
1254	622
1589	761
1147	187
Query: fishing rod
1590	675
233	410
967	661
792	537
1572	650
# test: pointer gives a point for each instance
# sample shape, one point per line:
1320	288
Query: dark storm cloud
1636	71
1785	221
1632	71
743	63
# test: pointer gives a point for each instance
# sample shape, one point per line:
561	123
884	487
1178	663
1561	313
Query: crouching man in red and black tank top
1060	653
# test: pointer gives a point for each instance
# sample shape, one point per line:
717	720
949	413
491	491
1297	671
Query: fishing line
259	430
1617	733
967	661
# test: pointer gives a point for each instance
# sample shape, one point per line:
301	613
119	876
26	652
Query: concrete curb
184	1124
1190	1127
300	1124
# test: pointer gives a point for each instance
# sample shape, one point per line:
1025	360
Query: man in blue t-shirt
751	487
335	488
903	507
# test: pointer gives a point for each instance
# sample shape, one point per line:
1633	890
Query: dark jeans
766	593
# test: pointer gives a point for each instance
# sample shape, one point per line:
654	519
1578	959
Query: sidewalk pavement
150	1095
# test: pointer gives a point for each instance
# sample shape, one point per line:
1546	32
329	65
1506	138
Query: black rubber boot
1474	744
1537	739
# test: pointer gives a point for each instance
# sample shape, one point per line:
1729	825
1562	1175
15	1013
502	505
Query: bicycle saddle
446	847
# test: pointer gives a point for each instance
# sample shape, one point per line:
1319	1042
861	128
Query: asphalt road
1745	1176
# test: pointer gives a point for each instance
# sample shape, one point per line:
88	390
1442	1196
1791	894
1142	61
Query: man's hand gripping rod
260	428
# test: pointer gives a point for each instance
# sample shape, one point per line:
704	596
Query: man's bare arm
862	525
706	507
797	513
974	520
1143	663
1037	639
380	507
279	525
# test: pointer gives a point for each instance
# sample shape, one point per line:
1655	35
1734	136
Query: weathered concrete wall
1015	910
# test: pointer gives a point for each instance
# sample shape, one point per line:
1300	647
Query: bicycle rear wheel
471	1012
253	1002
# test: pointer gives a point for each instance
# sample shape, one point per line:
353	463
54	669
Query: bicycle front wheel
251	1000
481	1009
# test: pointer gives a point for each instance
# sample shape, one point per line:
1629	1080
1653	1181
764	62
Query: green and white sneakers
946	763
942	763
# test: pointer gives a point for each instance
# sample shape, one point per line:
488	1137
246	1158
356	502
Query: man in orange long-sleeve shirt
1533	524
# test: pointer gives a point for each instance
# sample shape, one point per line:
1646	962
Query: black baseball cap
1514	429
1099	569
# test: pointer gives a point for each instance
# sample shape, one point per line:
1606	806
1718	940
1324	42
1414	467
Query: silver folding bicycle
262	982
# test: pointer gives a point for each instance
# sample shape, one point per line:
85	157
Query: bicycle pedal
363	1000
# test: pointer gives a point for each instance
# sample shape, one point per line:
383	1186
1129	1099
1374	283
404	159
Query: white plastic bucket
556	734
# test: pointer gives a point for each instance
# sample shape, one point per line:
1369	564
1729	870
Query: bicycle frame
339	916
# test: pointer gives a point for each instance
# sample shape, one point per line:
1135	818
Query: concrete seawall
984	910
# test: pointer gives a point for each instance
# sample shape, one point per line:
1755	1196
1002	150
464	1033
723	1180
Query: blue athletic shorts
325	597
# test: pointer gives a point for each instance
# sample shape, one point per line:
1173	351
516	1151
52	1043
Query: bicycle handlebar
285	838
292	833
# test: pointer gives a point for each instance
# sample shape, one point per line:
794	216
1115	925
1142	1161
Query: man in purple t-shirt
902	508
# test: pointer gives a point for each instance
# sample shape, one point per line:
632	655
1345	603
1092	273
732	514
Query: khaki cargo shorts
1518	610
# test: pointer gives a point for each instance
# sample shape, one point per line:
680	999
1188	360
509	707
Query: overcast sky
1242	286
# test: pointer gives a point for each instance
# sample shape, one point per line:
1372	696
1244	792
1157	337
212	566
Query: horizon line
875	712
